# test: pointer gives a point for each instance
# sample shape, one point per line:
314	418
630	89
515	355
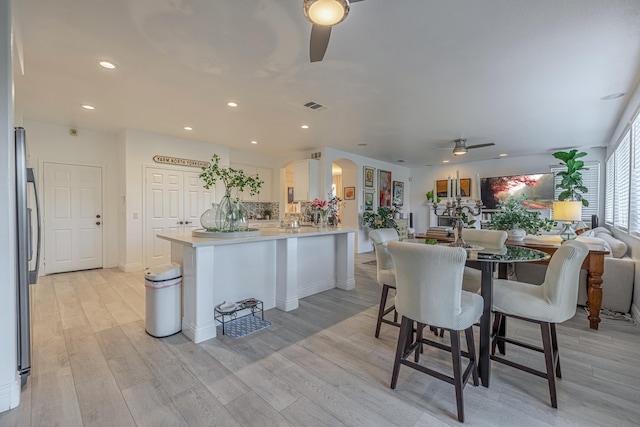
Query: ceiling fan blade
319	42
354	1
489	144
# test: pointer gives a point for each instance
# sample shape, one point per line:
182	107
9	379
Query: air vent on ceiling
315	106
316	155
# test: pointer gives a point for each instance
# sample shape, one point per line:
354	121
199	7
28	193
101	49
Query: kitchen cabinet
264	174
306	180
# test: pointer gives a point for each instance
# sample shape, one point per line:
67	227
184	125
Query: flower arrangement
334	207
383	218
513	215
233	179
321	210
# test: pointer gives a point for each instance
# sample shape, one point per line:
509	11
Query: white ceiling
402	76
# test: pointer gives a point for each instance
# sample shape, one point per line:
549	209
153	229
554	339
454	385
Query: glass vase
231	215
208	218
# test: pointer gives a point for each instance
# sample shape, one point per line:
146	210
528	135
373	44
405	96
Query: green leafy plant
233	179
571	183
383	218
512	215
430	197
266	213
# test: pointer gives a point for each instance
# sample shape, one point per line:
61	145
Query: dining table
489	258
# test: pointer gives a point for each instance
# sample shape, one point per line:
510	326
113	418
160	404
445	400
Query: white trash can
163	300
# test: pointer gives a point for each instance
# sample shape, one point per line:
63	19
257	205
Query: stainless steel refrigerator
24	275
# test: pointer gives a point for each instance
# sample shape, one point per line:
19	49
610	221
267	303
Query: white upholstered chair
429	291
493	239
552	302
386	274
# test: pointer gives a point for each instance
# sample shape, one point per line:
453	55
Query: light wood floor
94	365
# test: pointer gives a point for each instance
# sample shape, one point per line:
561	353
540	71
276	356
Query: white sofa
617	279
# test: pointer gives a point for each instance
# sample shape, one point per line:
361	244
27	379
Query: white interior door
196	200
72	217
163	212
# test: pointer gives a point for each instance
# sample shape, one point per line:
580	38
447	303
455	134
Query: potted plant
430	197
266	213
229	215
571	179
514	218
383	218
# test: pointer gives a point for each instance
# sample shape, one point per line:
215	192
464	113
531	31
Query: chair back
380	239
487	238
428	282
562	279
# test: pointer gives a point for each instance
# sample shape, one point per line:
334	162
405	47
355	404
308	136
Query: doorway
174	201
344	174
72	217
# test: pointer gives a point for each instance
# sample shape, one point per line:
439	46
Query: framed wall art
384	188
368	200
289	194
369	174
398	192
465	187
349	193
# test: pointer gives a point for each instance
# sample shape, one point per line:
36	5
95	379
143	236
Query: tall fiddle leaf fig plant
571	179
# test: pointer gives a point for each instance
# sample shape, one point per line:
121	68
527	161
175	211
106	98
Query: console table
593	263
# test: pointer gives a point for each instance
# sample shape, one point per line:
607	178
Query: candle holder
455	209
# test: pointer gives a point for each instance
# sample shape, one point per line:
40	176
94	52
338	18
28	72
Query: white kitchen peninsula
277	267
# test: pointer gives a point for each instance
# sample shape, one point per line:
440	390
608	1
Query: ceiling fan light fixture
459	151
326	12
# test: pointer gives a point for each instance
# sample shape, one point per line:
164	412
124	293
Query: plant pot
516	235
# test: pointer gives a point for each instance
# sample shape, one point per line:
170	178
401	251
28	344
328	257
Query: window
621	183
609	191
634	226
591	180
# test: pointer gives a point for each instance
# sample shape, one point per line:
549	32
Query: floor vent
315	106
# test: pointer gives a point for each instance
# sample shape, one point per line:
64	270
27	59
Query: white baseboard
10	395
130	268
202	333
314	288
635	312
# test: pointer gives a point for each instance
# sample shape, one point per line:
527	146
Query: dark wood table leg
594	278
484	362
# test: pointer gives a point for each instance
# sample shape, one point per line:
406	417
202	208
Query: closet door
196	200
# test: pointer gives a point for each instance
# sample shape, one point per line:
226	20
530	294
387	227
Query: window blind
622	174
610	190
591	180
634	226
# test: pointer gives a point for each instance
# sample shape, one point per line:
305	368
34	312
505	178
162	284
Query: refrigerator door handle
33	274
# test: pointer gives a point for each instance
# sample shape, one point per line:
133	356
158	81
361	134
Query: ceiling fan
324	14
462	148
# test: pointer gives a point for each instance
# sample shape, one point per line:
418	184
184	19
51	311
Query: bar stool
493	239
386	274
429	291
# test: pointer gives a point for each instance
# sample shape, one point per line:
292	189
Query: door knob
97	216
180	222
98	223
187	222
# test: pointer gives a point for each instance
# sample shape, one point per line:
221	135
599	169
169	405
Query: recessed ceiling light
188	128
305	126
108	65
445	161
232	104
88	107
613	96
254	142
503	155
401	161
362	144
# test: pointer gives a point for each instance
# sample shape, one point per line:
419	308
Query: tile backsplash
255	208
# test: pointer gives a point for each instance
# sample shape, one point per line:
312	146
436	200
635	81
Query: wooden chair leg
502	331
456	357
406	330
471	349
548	358
383	303
556	354
419	335
495	331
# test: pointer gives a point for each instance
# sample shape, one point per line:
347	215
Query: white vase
516	235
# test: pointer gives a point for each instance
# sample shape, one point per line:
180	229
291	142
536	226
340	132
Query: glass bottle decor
231	215
208	218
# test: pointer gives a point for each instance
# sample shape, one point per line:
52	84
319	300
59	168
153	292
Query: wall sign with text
180	162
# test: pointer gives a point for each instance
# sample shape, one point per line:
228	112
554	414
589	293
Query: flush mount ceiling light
108	65
326	12
232	104
305	126
88	107
188	128
254	142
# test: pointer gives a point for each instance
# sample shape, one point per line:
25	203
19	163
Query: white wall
398	173
140	147
422	178
9	381
53	143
